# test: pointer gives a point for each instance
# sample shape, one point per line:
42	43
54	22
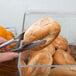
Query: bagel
63	58
44	29
60	43
63	71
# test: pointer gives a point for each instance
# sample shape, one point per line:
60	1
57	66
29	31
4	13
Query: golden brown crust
22	69
60	43
69	50
25	54
45	28
50	48
39	58
63	58
63	71
37	71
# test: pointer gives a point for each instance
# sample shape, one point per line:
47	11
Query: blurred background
12	11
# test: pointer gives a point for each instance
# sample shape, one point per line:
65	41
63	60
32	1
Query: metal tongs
20	48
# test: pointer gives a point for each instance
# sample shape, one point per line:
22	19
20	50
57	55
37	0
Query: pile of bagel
55	51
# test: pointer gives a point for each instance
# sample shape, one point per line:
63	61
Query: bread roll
45	28
37	71
50	48
63	58
40	58
22	68
60	43
63	71
69	50
25	54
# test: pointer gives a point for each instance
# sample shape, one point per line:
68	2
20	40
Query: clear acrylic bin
12	29
68	31
9	65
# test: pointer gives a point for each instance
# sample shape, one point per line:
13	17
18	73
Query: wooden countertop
9	68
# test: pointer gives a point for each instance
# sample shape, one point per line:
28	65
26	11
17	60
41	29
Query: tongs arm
18	38
8	42
29	46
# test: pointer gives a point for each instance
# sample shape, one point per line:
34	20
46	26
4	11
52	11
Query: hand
7	56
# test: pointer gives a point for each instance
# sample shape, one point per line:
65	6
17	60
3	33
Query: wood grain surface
9	68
